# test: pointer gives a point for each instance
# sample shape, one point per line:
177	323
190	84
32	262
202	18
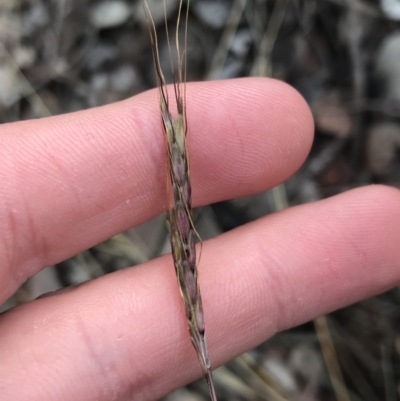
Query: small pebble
109	14
391	8
123	78
214	13
24	56
388	66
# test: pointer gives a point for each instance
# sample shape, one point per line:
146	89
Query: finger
124	336
71	181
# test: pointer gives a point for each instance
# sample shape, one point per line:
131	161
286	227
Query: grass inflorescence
181	229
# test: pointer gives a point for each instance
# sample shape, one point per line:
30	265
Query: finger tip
385	194
290	123
297	113
380	203
262	135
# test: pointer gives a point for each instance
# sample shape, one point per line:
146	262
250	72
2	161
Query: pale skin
71	181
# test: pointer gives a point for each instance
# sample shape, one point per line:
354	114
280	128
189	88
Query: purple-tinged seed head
182	221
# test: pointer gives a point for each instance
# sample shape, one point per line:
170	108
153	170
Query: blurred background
59	56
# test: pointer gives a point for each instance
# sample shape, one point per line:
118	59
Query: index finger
71	181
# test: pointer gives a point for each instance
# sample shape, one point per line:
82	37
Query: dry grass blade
179	216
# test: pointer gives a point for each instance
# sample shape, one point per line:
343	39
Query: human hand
71	181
